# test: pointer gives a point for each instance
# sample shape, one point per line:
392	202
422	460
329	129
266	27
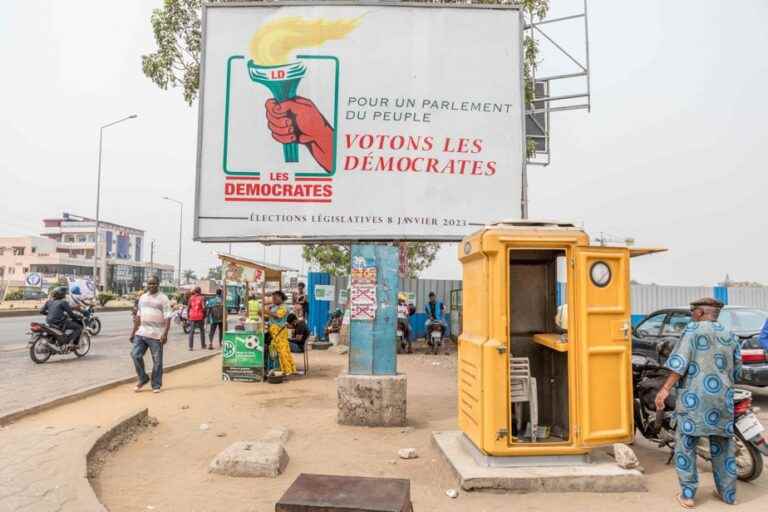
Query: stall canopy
270	271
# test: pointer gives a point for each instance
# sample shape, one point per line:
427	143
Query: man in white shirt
150	331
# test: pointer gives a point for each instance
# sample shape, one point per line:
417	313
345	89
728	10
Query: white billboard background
448	61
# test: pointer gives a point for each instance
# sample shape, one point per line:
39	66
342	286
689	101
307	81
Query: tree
189	275
335	259
215	273
178	30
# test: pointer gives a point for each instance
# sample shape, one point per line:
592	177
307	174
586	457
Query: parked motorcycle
45	341
403	343
435	336
659	426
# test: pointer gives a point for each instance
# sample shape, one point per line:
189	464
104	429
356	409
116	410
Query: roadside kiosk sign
243	356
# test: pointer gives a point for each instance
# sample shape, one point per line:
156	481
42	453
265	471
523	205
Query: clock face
600	273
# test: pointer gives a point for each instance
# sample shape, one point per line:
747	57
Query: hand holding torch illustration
292	119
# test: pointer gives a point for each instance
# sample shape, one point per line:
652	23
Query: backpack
217	313
196	308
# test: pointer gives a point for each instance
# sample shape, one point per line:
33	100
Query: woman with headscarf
278	331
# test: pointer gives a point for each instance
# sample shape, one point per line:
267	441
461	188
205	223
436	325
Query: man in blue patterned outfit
705	365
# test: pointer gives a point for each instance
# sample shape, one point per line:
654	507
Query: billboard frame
303	239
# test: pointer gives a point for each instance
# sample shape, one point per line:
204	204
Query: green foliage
189	275
17	294
215	273
104	297
176	62
335	259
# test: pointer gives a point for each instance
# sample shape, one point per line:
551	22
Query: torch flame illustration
272	48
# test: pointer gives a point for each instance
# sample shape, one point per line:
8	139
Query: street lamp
98	200
181	219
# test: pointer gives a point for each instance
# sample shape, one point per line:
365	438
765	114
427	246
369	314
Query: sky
672	153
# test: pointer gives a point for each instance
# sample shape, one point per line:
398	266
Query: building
66	248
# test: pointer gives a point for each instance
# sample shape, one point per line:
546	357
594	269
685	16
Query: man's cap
707	301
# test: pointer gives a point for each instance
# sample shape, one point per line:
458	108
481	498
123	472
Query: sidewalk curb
11	313
101	440
83	393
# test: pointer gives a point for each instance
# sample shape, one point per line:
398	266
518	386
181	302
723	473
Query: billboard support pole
372	370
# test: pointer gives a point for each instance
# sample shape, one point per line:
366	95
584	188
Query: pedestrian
705	365
150	331
763	338
280	345
196	315
215	308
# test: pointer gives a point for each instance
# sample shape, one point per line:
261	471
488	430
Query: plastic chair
297	349
523	389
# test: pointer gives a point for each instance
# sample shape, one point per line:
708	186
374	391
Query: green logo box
243	356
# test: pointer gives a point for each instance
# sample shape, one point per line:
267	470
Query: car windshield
744	320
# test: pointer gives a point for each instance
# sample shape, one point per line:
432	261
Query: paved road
24	383
13	330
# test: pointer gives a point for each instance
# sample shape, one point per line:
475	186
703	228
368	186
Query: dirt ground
166	468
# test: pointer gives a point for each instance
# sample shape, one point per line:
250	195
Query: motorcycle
435	336
659	426
180	318
403	343
45	341
90	321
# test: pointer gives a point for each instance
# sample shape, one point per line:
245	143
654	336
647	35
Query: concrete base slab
490	461
601	474
371	400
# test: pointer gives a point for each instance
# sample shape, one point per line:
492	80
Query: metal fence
420	287
645	298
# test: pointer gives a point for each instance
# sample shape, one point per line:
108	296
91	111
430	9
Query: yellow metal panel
604	347
474	335
470	388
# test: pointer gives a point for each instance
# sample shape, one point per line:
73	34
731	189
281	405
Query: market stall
243	351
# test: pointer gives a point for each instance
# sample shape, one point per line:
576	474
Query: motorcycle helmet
75	290
59	293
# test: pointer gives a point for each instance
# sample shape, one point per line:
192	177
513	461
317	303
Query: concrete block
372	400
251	459
601	474
625	456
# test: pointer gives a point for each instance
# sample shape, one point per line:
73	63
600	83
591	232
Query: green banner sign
243	356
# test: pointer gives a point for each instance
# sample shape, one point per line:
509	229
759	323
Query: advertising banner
243	356
34	279
324	292
330	121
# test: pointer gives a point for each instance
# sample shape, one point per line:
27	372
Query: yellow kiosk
526	386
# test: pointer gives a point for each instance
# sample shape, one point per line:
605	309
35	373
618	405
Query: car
746	323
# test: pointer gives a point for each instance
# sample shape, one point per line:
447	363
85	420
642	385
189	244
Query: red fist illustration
299	120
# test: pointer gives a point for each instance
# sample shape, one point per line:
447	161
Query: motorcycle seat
55	330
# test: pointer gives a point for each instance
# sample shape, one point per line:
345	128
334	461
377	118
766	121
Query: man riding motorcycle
434	311
59	314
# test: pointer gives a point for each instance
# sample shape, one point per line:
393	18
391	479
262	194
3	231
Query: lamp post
181	220
98	200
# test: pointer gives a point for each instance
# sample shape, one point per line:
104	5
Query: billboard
332	121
